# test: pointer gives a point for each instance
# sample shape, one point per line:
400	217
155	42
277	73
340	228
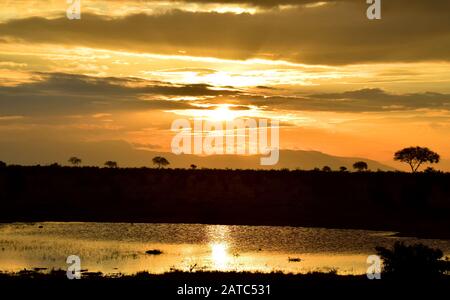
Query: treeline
417	203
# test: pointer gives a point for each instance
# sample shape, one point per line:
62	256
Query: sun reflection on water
219	255
189	247
219	243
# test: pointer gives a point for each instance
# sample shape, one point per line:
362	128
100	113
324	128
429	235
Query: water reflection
112	248
219	256
219	241
218	234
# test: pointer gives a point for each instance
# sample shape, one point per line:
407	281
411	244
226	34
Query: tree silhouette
406	261
2	164
416	156
431	170
343	169
75	160
193	167
326	169
360	166
160	161
111	164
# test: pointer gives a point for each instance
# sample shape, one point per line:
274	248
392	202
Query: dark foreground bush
413	261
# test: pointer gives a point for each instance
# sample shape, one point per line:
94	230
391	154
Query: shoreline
393	233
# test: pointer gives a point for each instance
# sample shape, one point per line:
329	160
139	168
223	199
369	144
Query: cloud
198	71
10	118
337	33
248	3
69	94
57	93
145	146
252	3
378	99
12	65
261	3
364	100
101	115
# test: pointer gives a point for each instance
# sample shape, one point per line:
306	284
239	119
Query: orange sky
339	83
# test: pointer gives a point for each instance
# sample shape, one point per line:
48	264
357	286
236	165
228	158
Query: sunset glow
253	61
204	148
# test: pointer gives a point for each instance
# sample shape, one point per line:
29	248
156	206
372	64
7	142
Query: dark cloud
68	93
379	100
364	100
252	3
115	86
61	93
336	33
272	3
258	3
263	87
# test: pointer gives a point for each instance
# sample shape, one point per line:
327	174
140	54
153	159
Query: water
120	247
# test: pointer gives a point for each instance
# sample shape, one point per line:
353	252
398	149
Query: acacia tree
160	161
326	169
360	166
416	156
111	164
75	160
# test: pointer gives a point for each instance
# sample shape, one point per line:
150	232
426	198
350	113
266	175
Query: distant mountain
291	159
96	153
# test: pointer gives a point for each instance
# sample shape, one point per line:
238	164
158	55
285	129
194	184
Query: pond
121	247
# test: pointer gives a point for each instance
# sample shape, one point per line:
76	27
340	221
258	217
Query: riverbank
411	204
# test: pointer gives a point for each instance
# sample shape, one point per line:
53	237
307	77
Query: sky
338	82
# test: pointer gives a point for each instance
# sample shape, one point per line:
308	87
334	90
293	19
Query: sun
222	113
219	112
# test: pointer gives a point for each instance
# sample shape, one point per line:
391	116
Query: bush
417	261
